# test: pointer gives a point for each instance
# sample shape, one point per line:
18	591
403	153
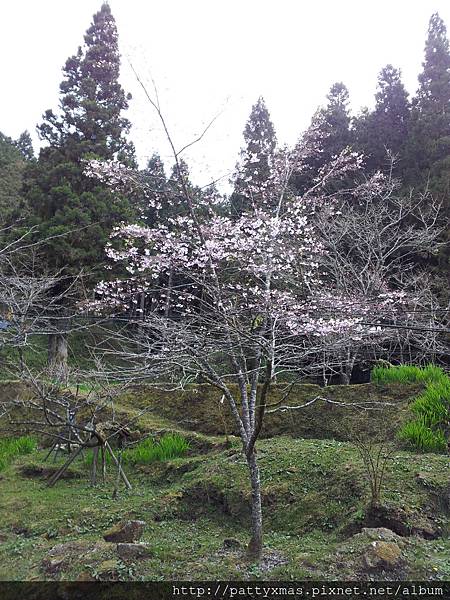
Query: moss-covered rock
382	555
125	531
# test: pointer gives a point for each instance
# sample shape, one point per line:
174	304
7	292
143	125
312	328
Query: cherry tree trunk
254	548
57	356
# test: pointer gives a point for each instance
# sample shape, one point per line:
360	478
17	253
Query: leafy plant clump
171	445
421	437
10	448
427	433
408	374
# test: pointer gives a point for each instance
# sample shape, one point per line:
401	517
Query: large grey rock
133	551
62	555
382	534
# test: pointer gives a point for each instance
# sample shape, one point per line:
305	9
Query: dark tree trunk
346	371
254	548
57	356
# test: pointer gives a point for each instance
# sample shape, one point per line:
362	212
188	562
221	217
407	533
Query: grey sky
208	56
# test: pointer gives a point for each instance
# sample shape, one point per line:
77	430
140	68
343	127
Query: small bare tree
72	419
375	445
374	240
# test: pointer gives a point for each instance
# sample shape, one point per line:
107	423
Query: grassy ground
314	497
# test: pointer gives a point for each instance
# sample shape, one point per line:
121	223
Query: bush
10	448
433	405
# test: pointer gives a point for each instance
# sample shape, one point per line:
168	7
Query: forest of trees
71	216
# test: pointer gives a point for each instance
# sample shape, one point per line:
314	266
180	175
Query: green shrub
10	448
421	437
171	445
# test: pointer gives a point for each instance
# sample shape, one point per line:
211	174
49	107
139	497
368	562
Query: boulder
382	534
125	531
382	556
60	556
425	528
133	551
107	570
85	576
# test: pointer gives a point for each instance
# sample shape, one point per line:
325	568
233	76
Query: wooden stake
94	465
116	462
102	449
54	478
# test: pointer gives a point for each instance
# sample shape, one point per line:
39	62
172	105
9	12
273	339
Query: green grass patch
10	448
408	374
432	407
312	490
171	445
420	436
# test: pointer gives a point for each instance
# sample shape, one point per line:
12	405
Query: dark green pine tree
337	121
384	131
256	160
429	143
155	199
178	184
89	125
74	214
331	132
12	165
25	145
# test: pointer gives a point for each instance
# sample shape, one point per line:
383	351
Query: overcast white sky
208	56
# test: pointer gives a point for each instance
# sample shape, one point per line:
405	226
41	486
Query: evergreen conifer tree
89	125
12	165
429	143
74	214
331	128
386	128
25	145
256	158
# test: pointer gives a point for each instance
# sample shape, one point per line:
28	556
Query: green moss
199	408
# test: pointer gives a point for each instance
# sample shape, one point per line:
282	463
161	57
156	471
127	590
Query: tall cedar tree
330	130
13	157
25	145
89	125
255	160
386	128
429	142
74	214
